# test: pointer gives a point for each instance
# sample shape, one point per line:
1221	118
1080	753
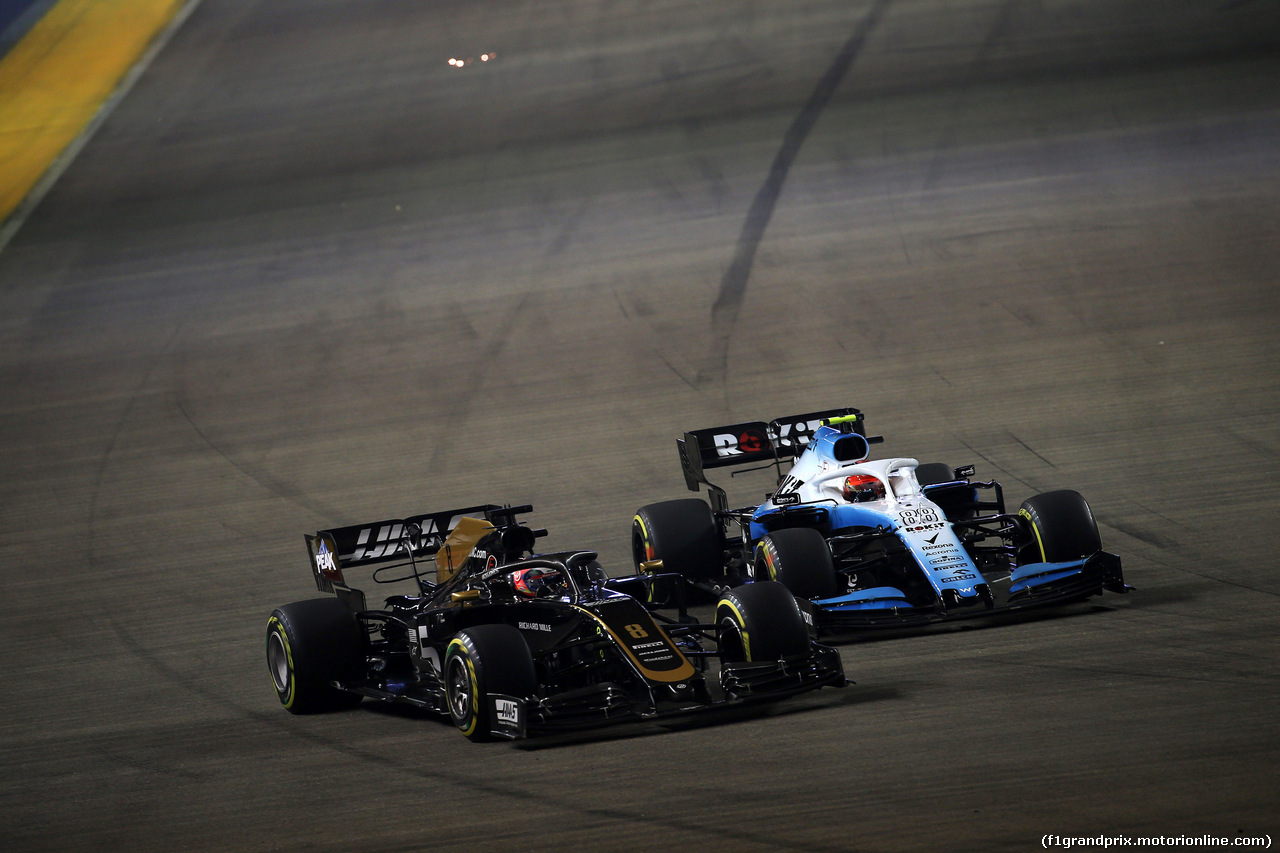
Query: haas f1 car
870	543
510	644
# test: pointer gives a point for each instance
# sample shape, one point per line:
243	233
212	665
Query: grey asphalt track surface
309	274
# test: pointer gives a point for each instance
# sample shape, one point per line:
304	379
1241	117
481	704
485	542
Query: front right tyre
682	534
799	559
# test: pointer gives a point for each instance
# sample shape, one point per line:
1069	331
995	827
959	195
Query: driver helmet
859	488
531	583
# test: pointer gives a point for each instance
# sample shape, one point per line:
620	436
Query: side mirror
517	540
651	566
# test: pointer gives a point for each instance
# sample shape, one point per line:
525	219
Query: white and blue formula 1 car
870	543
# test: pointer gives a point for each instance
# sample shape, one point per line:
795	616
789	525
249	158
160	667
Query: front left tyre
760	622
482	661
311	644
1061	527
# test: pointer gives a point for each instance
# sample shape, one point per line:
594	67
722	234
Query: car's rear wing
754	442
412	538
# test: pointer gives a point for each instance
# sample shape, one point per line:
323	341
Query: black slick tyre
760	622
481	661
682	534
310	644
1061	528
799	559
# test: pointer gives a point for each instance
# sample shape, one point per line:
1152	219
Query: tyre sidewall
278	637
496	660
461	655
681	533
1062	527
766	620
322	643
799	559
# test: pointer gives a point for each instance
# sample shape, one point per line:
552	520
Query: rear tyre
1062	528
481	661
799	559
682	534
310	644
760	622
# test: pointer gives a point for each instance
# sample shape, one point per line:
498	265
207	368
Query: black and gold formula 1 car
511	643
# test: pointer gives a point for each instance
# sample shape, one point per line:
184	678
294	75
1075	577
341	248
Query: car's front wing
1028	586
608	703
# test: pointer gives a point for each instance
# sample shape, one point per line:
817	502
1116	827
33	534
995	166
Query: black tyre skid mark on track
272	485
733	287
277	722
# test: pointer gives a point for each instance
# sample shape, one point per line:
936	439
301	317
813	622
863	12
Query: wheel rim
458	686
278	662
732	646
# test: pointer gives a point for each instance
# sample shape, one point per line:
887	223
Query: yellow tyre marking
276	626
648	549
766	547
742	625
644	537
475	688
54	81
1044	558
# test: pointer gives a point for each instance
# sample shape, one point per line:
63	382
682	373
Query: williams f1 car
870	543
510	644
